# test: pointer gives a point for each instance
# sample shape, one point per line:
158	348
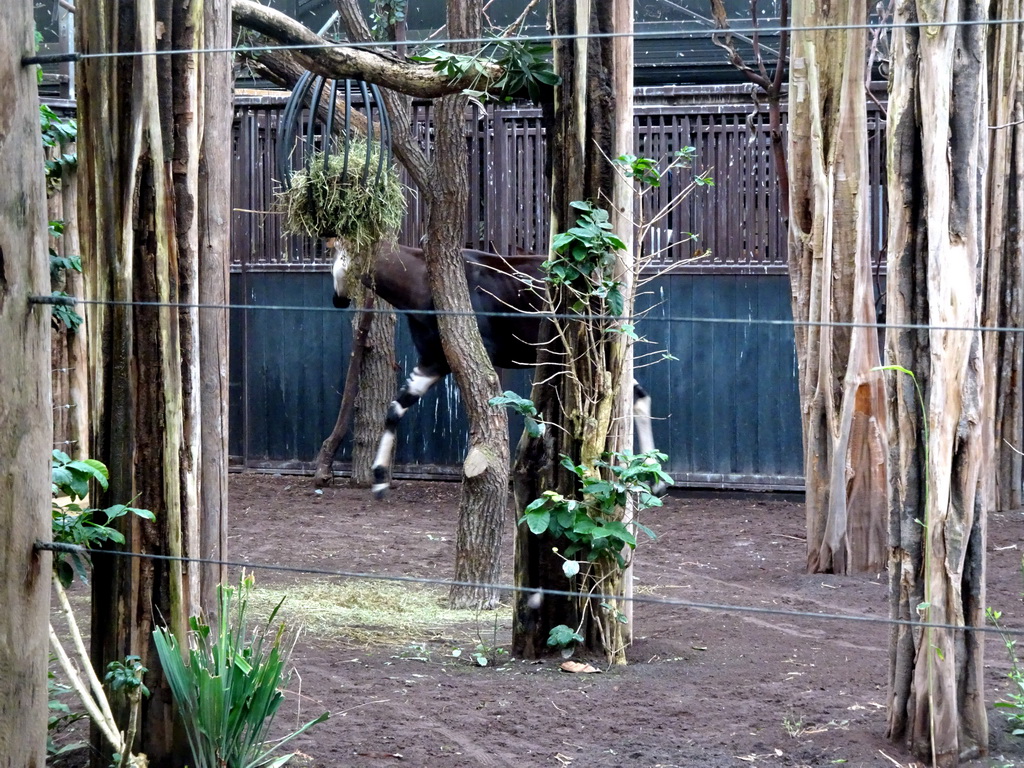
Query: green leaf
585	526
616	301
538	521
615	529
570	568
562	636
561	240
650	534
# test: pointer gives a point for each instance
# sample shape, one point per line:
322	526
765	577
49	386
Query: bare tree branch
374	66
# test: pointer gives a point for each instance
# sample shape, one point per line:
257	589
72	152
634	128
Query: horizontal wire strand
641	35
47	300
434	581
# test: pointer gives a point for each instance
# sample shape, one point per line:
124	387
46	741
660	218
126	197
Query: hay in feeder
330	199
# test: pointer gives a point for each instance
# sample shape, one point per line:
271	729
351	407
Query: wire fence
58	58
72	301
510	589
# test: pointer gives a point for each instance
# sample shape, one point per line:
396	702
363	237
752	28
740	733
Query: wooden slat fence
732	225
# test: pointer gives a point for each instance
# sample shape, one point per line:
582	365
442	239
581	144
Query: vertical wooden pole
26	415
214	263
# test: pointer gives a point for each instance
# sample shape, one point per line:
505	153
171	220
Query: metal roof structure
673	45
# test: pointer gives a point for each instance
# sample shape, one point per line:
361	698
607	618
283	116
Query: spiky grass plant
328	197
228	684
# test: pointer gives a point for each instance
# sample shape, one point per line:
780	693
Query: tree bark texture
141	146
70	380
842	400
579	382
361	393
217	88
376	388
484	501
937	151
1004	267
380	67
26	410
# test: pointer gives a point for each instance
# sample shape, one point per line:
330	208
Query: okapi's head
339	270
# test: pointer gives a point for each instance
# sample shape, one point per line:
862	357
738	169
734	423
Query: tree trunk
842	400
579	386
484	500
376	388
214	268
77	353
26	410
141	204
367	396
1004	268
937	148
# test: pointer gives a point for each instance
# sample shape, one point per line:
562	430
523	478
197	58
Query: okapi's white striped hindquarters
416	386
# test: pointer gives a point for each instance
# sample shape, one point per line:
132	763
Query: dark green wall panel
725	409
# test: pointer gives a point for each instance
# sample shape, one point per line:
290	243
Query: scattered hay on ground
374	612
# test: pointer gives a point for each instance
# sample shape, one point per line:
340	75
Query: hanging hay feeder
338	178
329	198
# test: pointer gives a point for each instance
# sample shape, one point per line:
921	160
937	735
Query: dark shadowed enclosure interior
725	401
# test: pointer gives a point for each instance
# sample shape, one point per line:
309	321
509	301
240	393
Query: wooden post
26	409
214	264
593	122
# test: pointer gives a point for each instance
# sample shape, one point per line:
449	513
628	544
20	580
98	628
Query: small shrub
229	689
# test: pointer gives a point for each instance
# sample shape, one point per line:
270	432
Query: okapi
497	284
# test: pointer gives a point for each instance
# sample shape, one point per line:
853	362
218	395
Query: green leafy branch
524	407
62	314
385	14
592	525
523	65
1014	702
77	524
81	525
57	133
583	256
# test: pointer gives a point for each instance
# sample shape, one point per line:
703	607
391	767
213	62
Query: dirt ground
704	688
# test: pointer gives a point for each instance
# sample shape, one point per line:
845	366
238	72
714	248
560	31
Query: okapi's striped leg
416	386
642	427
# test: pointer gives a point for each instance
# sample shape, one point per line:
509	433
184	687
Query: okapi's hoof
381	482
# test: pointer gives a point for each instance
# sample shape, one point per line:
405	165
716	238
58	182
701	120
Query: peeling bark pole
141	125
26	410
324	474
842	400
937	148
1004	267
214	268
580	387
